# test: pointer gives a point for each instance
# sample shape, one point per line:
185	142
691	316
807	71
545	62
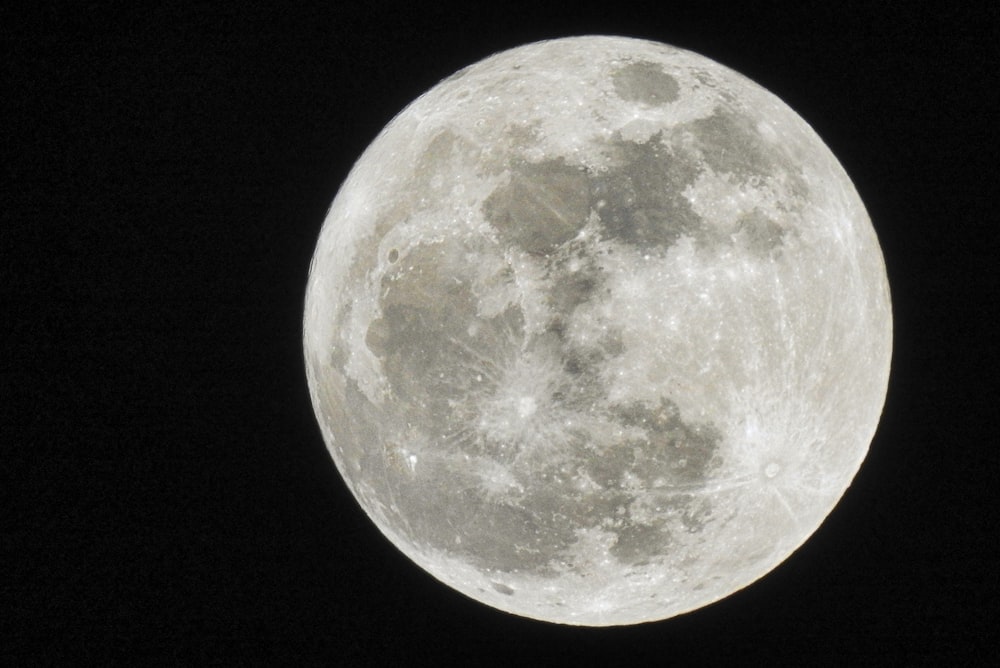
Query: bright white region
597	331
526	407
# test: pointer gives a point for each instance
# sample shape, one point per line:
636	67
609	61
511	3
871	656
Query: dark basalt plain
440	375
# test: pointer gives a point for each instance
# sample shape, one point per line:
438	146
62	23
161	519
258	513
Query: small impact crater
502	588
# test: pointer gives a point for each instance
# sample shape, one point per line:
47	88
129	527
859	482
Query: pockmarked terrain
597	331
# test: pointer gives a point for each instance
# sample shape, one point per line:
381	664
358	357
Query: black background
166	492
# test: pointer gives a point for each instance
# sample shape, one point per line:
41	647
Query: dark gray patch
429	357
362	435
594	508
446	154
434	363
570	289
645	82
510	538
500	535
353	421
638	543
421	338
641	201
393	255
730	143
502	588
337	355
585	388
559	507
437	159
401	338
612	344
695	513
759	233
438	152
672	451
608	469
582	362
522	136
542	207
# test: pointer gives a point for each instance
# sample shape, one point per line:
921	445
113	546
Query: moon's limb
597	331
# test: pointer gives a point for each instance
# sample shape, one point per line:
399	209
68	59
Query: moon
597	331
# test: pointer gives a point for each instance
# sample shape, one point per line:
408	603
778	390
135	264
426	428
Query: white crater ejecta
597	331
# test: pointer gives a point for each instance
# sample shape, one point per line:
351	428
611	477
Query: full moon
597	331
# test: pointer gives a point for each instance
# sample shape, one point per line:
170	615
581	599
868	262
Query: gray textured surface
597	331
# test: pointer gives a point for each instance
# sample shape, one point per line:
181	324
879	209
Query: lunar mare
597	331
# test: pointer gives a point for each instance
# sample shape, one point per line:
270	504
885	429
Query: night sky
166	491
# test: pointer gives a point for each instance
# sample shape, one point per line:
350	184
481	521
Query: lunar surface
597	331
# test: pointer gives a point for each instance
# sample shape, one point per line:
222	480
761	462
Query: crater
502	588
646	83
